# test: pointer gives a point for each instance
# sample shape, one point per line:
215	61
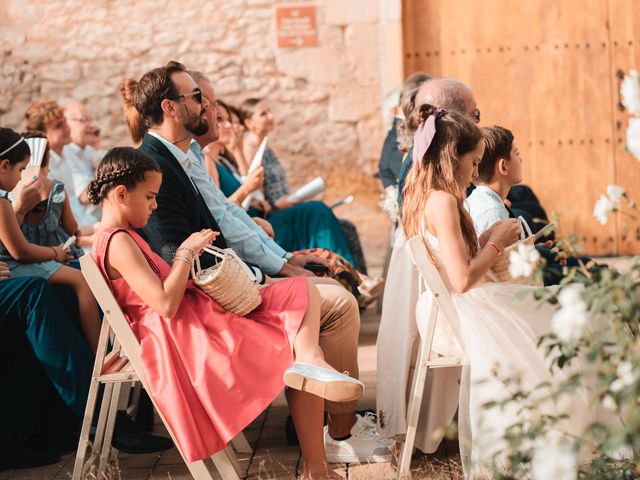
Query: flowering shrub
389	202
596	326
594	339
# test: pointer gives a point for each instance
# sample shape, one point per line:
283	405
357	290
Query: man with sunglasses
173	108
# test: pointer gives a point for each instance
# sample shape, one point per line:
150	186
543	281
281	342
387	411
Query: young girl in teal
27	259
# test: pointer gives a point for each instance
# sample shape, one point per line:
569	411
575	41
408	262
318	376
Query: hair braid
120	166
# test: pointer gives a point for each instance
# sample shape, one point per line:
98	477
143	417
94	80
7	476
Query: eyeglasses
476	115
196	94
82	119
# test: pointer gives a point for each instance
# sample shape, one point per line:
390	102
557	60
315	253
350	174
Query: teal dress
305	225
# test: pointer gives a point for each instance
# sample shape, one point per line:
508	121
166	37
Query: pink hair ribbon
424	135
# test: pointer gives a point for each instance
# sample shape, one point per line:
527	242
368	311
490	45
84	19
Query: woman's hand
27	195
254	180
198	240
61	254
5	273
264	225
505	233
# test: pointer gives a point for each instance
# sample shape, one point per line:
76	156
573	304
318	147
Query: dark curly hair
19	152
120	166
152	89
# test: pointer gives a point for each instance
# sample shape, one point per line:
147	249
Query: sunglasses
196	94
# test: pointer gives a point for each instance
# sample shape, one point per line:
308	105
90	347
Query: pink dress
209	371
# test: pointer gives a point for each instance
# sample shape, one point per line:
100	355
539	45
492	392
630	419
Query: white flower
609	403
555	459
568	323
633	137
602	209
622	452
389	202
630	91
522	262
626	377
615	193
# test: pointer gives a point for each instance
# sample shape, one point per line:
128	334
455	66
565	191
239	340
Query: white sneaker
364	445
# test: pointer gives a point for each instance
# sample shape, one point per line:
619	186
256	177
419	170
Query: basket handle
213	250
525	230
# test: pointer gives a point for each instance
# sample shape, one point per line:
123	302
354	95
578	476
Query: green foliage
608	357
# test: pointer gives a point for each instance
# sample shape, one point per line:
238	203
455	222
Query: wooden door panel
542	69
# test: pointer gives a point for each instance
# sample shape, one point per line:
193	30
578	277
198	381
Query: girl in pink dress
209	371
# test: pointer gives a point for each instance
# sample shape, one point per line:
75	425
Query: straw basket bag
229	282
500	266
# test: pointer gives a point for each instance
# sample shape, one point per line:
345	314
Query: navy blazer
181	209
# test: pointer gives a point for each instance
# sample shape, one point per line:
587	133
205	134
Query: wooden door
546	70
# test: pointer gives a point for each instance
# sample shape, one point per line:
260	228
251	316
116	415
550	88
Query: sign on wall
296	26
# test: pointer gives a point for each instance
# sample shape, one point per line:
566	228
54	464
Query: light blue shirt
486	208
242	234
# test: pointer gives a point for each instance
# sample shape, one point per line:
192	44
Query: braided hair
120	166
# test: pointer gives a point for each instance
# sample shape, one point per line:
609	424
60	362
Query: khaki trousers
339	330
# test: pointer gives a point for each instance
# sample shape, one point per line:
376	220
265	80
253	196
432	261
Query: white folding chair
122	365
429	279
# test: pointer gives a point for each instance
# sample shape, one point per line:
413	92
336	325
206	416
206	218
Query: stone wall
326	99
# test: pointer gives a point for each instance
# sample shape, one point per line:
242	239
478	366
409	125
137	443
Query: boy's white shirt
486	208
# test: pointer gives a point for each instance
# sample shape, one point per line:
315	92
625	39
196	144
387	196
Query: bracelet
182	258
55	254
188	249
493	245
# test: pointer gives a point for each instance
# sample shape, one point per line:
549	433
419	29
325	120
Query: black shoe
129	438
18	455
145	417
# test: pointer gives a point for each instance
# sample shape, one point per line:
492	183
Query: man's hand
301	260
289	270
547	244
27	195
5	273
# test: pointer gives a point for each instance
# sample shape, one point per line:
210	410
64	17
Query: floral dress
41	269
48	232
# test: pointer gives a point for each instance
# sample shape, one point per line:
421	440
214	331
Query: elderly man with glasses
450	94
85	134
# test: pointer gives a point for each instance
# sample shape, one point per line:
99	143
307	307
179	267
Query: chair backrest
112	313
433	280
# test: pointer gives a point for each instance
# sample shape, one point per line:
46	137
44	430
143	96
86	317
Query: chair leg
240	444
231	455
85	431
415	402
102	418
224	465
108	431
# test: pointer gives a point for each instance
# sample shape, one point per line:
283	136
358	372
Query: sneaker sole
358	459
335	391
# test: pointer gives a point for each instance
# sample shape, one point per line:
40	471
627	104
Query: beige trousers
339	330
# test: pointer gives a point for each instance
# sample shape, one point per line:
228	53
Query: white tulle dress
498	332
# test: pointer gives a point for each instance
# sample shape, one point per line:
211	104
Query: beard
197	125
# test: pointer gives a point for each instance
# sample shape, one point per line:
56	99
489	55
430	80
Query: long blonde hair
456	135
